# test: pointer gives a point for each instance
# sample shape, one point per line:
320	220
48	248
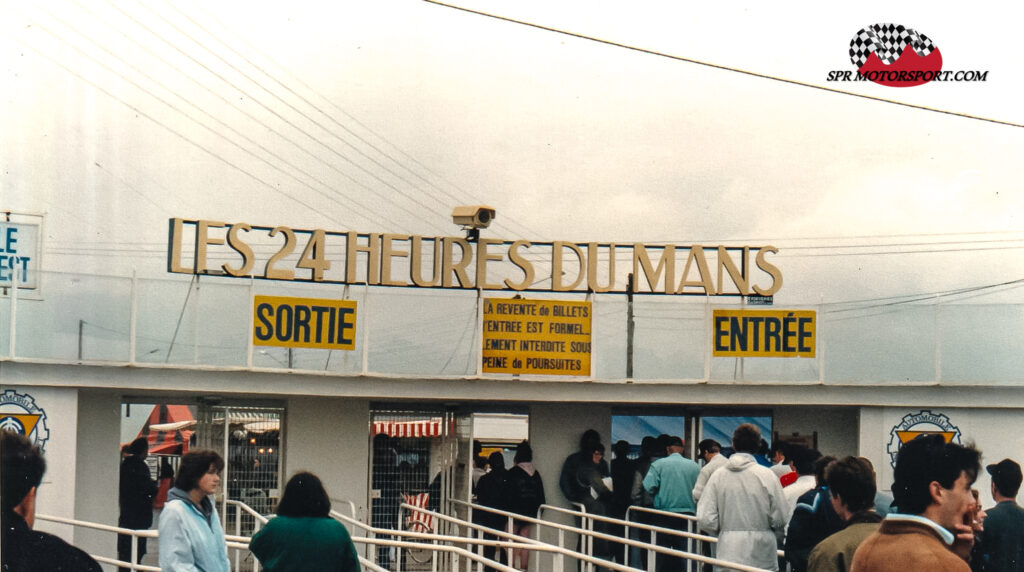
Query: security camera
477	216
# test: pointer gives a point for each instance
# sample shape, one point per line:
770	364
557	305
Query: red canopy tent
418	428
168	429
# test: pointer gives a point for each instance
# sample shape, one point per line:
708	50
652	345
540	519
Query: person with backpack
527	494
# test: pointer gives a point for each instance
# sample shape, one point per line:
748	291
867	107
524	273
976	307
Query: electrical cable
719	67
171	106
318	110
280	116
409	157
170	129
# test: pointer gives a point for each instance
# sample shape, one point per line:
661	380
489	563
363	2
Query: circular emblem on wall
923	422
20	414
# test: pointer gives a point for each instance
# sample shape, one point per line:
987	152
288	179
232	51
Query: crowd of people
827	514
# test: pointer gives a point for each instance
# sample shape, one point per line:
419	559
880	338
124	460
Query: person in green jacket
304	536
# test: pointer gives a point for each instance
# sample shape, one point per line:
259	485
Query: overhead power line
467	197
719	66
362	211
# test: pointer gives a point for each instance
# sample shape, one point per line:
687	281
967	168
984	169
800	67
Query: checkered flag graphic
887	41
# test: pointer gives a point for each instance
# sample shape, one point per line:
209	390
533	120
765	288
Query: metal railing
236	542
258	521
433	537
563	528
513	541
351	505
120	326
135	534
451	544
690	518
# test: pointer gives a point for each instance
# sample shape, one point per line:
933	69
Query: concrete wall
555	430
97	469
836	427
57	429
996	432
330	437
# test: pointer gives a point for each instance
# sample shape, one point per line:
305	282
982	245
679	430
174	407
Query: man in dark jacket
1002	540
571	487
492	490
814	518
24	549
136	492
527	490
851	488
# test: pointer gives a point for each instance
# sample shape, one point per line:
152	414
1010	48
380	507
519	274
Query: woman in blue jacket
303	536
191	537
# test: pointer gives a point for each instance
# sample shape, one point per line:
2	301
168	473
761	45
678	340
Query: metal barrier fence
429	541
590	559
240	544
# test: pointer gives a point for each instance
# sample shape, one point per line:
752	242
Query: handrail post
510	527
479	550
238	521
560	558
651	554
135	549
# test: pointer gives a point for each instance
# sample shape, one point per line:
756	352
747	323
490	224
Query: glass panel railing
980	344
408	332
75	317
879	345
423	332
668	338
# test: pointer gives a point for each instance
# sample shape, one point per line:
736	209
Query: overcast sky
381	116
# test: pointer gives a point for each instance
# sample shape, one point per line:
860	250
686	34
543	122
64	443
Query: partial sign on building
19	255
541	337
317	323
764	333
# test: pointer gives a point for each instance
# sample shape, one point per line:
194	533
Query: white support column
937	323
477	342
366	329
593	328
14	311
819	341
133	318
707	339
249	349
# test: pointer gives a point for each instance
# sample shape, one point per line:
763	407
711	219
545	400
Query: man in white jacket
743	504
711	452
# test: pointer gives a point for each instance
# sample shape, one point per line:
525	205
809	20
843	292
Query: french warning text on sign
304	323
764	333
543	337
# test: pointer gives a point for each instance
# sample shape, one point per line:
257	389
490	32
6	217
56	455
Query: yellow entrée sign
764	333
545	337
304	323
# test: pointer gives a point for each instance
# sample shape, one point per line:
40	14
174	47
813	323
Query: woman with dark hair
191	537
304	536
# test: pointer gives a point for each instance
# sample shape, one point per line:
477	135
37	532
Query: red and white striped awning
418	428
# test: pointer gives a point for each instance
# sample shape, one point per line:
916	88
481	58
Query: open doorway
248	438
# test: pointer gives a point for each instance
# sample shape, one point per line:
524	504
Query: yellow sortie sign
764	333
304	323
546	337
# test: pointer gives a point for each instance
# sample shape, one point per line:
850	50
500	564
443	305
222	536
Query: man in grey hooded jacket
743	504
